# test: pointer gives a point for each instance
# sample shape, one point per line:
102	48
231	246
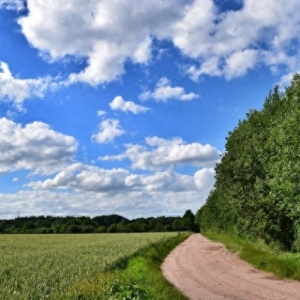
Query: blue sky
124	106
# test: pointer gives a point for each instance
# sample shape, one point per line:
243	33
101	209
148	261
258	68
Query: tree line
257	187
99	224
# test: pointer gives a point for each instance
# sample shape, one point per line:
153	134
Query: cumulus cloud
205	178
260	30
93	179
118	103
82	177
109	33
109	129
112	191
164	91
34	146
240	62
161	153
17	90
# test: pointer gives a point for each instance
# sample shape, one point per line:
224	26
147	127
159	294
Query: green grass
282	264
47	266
145	270
139	279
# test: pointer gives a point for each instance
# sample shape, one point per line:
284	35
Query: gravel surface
205	270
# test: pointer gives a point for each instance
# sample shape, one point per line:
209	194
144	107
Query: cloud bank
86	189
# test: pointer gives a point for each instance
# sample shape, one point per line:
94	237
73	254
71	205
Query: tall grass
46	266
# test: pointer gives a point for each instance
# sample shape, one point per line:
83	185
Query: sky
123	106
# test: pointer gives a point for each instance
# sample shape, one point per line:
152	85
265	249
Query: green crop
45	266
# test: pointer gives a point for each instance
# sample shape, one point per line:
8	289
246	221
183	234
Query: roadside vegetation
74	266
138	277
257	190
282	264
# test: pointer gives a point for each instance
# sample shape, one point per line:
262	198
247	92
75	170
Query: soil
205	270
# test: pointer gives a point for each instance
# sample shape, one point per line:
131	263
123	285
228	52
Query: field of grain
45	266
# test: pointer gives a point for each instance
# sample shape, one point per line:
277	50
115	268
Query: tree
257	188
189	220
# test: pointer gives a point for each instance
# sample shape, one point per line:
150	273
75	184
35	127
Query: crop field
45	266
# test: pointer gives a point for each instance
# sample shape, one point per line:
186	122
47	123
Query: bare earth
205	270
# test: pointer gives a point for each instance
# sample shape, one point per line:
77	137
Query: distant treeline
257	188
99	224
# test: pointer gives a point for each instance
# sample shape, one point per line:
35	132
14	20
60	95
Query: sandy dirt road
205	270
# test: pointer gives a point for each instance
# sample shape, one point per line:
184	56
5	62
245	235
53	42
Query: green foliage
83	224
111	286
257	189
188	220
122	290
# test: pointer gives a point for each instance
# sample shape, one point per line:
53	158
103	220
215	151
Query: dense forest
98	224
257	189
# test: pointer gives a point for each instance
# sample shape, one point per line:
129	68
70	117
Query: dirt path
205	270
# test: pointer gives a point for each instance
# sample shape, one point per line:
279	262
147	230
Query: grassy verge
282	264
136	278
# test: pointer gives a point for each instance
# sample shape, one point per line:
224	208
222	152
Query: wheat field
45	266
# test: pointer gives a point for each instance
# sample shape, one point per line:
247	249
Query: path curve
205	270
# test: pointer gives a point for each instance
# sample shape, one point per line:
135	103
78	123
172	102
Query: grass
281	264
140	277
47	266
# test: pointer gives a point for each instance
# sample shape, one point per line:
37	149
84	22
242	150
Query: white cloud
192	33
93	179
240	62
109	130
164	91
223	39
99	191
142	54
204	178
109	33
12	4
118	103
286	79
168	181
101	113
131	204
82	177
34	147
209	66
17	90
161	153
